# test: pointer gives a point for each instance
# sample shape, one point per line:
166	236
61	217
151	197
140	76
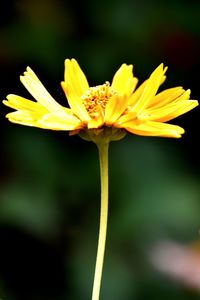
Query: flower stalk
103	159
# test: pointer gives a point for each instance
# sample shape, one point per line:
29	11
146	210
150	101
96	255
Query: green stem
103	158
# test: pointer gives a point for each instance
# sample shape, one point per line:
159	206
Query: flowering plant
102	114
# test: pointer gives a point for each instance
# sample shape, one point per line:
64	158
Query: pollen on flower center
96	98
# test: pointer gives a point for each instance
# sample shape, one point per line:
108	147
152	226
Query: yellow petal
124	82
114	108
21	103
172	111
137	94
31	112
46	121
75	102
50	121
156	129
38	91
75	78
74	85
150	89
126	118
166	97
24	117
97	120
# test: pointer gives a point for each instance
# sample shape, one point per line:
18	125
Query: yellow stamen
96	98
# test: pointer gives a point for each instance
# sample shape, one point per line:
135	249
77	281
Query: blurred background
49	182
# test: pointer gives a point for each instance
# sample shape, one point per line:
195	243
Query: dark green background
49	185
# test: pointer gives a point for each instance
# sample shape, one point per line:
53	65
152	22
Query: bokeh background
49	182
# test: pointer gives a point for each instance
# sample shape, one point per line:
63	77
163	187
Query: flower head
118	105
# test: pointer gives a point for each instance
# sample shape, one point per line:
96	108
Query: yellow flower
119	105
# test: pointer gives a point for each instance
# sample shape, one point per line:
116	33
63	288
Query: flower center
96	98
